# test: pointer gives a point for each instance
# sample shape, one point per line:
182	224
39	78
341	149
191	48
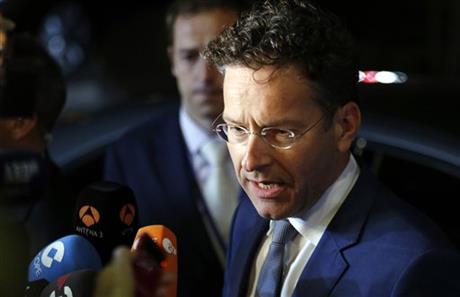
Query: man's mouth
267	185
267	189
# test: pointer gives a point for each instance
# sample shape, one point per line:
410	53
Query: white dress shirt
311	227
195	136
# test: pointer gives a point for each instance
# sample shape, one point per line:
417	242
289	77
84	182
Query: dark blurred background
113	52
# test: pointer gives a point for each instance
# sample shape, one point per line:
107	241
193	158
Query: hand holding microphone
150	241
149	270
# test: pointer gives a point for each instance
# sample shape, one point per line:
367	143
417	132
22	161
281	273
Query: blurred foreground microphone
76	284
23	177
136	273
106	214
65	255
166	241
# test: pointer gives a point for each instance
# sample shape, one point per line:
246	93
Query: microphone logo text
53	252
67	293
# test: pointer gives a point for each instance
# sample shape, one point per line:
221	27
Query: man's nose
257	155
205	71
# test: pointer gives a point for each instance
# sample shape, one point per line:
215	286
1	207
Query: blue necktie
270	278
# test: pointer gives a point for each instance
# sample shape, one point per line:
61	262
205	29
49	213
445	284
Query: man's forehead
238	77
206	24
269	91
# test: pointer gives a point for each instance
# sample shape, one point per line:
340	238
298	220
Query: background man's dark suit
152	160
374	236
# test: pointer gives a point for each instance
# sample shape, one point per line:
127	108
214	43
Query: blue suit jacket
376	245
152	160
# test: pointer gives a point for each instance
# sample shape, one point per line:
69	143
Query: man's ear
21	127
170	53
348	121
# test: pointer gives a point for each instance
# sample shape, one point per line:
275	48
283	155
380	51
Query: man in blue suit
163	160
315	223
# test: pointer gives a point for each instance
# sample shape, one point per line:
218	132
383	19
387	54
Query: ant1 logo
47	259
67	293
89	215
127	214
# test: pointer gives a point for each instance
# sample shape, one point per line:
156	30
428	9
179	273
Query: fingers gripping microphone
65	255
116	279
145	271
165	239
106	214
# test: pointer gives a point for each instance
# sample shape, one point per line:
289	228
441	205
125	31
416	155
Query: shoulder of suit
165	119
406	225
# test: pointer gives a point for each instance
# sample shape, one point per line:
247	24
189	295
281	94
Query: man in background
315	223
180	172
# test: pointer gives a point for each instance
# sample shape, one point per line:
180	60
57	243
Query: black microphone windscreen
106	214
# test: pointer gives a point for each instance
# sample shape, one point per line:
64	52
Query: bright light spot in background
53	25
56	45
382	77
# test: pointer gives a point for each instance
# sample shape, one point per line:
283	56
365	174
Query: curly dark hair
293	32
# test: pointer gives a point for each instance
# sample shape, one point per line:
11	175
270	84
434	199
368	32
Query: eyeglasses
276	137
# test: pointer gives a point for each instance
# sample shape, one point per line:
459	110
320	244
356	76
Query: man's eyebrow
272	123
286	123
227	120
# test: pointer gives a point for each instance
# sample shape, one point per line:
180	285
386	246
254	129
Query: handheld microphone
106	214
147	265
65	255
166	241
76	284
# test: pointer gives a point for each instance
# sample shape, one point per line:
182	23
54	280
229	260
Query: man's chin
272	213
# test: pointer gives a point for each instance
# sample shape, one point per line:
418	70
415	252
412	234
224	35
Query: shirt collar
314	221
194	135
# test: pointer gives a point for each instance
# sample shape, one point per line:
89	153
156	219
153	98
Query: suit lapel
249	235
178	183
176	177
328	264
